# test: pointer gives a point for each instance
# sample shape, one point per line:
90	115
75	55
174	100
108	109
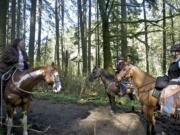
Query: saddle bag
162	82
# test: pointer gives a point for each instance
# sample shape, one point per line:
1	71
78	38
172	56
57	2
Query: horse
144	84
110	85
18	91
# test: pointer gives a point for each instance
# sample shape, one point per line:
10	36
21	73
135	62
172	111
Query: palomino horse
18	91
144	84
110	86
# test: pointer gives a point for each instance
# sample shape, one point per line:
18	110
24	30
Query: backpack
162	82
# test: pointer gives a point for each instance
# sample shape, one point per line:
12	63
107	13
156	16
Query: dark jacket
10	57
174	70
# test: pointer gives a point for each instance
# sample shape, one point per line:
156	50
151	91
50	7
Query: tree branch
110	9
148	21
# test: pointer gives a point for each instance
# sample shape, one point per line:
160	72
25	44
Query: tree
105	9
39	32
146	36
62	33
164	37
24	20
19	19
172	27
32	31
89	39
82	13
97	37
3	12
13	20
57	32
124	48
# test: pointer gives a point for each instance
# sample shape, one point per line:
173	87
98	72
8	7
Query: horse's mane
107	75
148	75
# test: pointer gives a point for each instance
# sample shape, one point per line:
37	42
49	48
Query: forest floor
67	118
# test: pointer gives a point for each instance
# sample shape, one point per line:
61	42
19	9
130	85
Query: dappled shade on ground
79	119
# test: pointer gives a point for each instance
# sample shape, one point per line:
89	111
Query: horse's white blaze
27	76
9	125
24	122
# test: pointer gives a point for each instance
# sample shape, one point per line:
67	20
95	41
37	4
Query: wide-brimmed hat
175	48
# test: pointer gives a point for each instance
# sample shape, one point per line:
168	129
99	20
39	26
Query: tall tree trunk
146	37
57	32
83	36
24	20
97	37
62	34
19	19
124	48
172	27
3	12
89	39
84	46
106	35
32	32
78	19
39	32
164	37
13	20
8	36
45	51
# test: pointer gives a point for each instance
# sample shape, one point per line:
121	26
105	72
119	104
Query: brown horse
110	86
144	84
18	91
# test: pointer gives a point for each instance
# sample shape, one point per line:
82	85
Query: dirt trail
89	119
78	119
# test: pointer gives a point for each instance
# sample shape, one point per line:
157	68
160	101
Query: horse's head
96	72
52	77
126	72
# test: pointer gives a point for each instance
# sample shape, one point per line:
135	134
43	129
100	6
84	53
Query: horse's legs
132	101
149	115
112	102
9	119
25	108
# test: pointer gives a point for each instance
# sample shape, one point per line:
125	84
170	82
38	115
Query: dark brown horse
109	84
18	91
144	87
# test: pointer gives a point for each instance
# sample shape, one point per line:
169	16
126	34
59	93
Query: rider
168	94
14	55
119	66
